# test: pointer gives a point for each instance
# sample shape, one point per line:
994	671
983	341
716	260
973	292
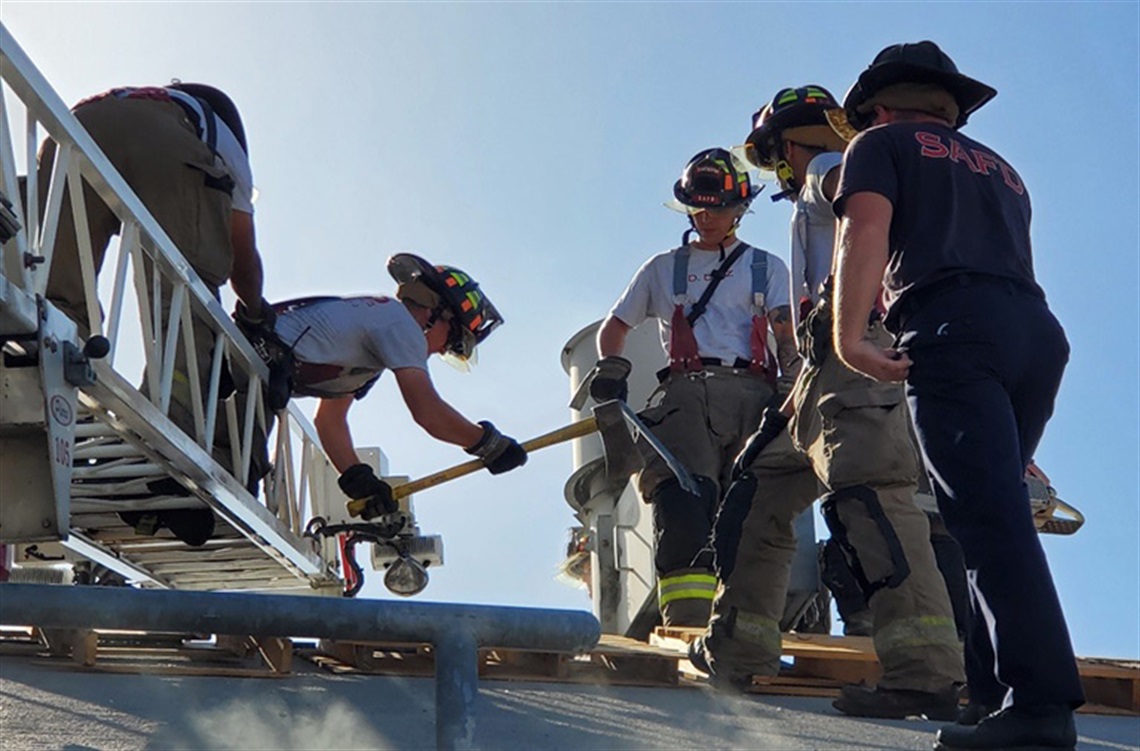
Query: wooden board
1110	683
171	654
821	664
615	661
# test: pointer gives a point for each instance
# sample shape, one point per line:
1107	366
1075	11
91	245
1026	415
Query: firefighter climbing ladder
79	442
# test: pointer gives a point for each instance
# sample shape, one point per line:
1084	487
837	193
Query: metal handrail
26	263
456	632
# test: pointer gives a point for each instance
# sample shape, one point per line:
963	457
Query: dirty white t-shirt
723	332
813	233
342	345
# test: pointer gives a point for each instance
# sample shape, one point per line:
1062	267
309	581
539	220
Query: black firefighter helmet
712	180
796	114
918	62
451	294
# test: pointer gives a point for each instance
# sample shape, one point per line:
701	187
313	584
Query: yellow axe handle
563	434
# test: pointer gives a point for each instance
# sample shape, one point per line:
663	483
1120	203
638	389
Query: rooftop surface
54	704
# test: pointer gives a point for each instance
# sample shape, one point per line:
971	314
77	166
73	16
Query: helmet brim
843	128
970	93
406	268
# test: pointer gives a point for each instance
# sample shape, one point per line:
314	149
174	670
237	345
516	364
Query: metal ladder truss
81	443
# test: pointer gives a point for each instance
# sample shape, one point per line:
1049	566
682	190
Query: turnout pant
743	636
854	434
702	418
988	359
158	152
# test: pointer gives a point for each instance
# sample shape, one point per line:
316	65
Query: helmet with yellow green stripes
713	179
452	295
798	115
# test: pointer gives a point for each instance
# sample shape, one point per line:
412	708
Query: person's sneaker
1046	728
973	713
896	703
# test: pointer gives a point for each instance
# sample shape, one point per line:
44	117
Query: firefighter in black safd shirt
947	219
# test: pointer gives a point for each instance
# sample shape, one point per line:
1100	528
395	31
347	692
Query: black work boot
724	682
1044	728
697	655
897	703
973	713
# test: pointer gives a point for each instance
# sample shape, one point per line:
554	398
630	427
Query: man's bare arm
611	336
831	183
331	422
247	275
438	418
861	259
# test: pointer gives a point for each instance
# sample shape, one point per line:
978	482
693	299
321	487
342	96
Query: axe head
623	438
618	444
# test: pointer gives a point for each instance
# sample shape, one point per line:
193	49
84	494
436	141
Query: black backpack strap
210	129
287	306
718	276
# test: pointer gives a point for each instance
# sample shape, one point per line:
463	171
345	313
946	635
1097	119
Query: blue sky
532	145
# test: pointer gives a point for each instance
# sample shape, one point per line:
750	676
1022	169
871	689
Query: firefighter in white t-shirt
336	348
726	350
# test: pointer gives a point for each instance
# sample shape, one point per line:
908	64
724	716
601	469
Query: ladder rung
129	470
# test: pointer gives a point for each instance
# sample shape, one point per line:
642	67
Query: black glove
9	221
608	379
360	482
256	327
772	423
499	453
260	332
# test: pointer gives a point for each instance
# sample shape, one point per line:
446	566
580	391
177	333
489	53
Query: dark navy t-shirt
958	206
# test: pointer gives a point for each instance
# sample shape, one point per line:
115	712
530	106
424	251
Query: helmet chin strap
720	245
787	179
436	314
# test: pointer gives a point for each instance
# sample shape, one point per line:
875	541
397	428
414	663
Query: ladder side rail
14	261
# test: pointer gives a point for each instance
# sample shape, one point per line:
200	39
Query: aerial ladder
80	443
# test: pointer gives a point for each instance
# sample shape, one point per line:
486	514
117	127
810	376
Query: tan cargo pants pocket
864	438
207	244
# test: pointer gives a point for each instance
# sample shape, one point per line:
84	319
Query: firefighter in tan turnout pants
854	431
720	304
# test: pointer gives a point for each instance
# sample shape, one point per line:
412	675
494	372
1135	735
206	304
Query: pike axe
621	431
